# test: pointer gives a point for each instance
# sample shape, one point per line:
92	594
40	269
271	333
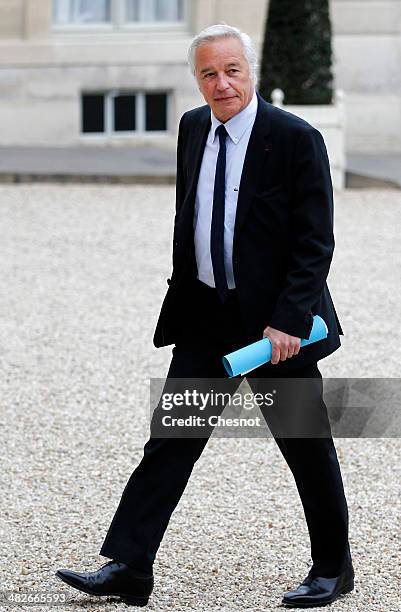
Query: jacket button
169	281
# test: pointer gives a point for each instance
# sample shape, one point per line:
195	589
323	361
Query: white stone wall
43	106
42	71
367	53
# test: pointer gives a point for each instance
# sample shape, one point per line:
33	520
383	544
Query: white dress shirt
239	130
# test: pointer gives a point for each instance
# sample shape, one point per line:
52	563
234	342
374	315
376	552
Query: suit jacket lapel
255	159
199	138
199	134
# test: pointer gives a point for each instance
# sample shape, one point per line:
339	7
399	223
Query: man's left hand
284	346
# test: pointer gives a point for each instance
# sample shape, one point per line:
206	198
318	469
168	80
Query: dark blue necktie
217	230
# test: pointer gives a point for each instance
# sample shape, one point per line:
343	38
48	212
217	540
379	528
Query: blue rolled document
256	354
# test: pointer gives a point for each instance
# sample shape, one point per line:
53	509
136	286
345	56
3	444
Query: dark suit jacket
283	236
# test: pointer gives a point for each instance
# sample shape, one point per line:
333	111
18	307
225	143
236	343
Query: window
81	11
124	113
154	10
119	112
119	13
155	110
93	113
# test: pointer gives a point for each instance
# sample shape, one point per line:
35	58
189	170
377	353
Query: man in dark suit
253	243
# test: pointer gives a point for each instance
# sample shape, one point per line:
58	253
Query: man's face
223	76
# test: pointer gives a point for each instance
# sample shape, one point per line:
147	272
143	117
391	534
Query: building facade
115	71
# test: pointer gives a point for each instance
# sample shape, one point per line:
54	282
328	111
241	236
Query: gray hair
223	30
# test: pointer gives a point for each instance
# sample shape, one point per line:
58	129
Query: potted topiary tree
296	67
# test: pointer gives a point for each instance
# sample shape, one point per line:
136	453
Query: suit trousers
208	330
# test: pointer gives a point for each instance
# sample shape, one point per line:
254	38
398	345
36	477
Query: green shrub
297	54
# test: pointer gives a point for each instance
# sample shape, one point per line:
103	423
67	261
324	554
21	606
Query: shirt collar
237	125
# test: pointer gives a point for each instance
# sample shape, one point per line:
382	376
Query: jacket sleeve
311	236
180	179
180	175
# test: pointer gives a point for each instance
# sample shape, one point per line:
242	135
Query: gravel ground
83	272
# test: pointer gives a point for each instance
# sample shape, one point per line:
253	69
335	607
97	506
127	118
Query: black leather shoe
318	591
113	579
